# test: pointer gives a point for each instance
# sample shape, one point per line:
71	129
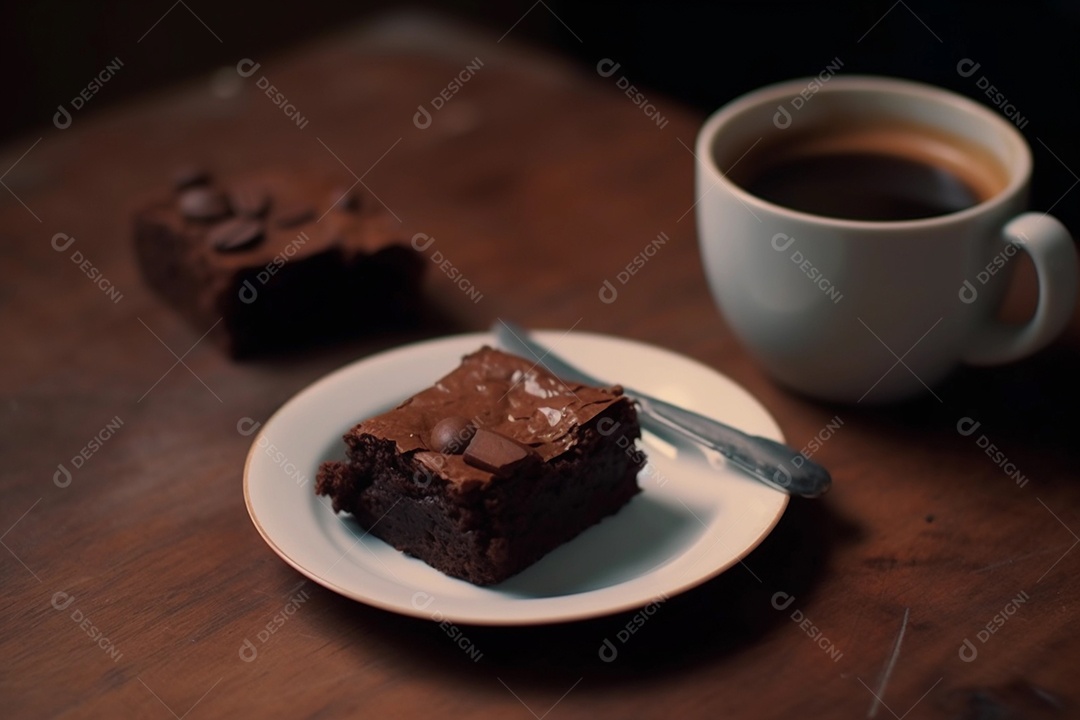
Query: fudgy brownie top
266	218
508	400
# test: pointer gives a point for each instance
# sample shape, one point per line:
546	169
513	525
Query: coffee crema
874	172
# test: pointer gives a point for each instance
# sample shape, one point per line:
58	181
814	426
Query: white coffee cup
874	311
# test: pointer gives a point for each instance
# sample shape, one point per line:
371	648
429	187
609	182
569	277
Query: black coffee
877	174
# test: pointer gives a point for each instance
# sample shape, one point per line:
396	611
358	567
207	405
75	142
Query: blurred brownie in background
272	261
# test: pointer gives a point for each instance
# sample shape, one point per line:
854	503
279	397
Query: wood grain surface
128	589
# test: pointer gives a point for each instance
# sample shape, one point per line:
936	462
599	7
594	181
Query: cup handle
1051	249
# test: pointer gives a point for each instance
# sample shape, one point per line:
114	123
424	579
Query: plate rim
558	617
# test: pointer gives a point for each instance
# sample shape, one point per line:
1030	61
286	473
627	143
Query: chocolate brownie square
491	468
272	262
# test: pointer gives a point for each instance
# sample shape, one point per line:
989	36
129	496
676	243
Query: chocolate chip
190	176
293	215
494	452
250	201
203	203
235	234
344	198
451	435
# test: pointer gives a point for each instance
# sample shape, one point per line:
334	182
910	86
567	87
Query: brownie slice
491	468
276	262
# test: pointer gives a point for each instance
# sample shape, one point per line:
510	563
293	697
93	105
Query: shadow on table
709	624
430	319
1028	407
1033	401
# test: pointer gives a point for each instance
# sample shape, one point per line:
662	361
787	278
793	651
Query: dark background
702	54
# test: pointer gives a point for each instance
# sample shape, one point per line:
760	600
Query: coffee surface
872	173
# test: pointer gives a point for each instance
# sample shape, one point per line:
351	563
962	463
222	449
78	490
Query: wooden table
129	588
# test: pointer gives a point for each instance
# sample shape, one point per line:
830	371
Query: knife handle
773	463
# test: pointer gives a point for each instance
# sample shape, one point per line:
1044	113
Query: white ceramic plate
692	520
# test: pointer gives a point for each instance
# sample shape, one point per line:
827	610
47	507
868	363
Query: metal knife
768	461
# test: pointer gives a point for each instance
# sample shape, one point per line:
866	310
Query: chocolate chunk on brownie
275	262
491	468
